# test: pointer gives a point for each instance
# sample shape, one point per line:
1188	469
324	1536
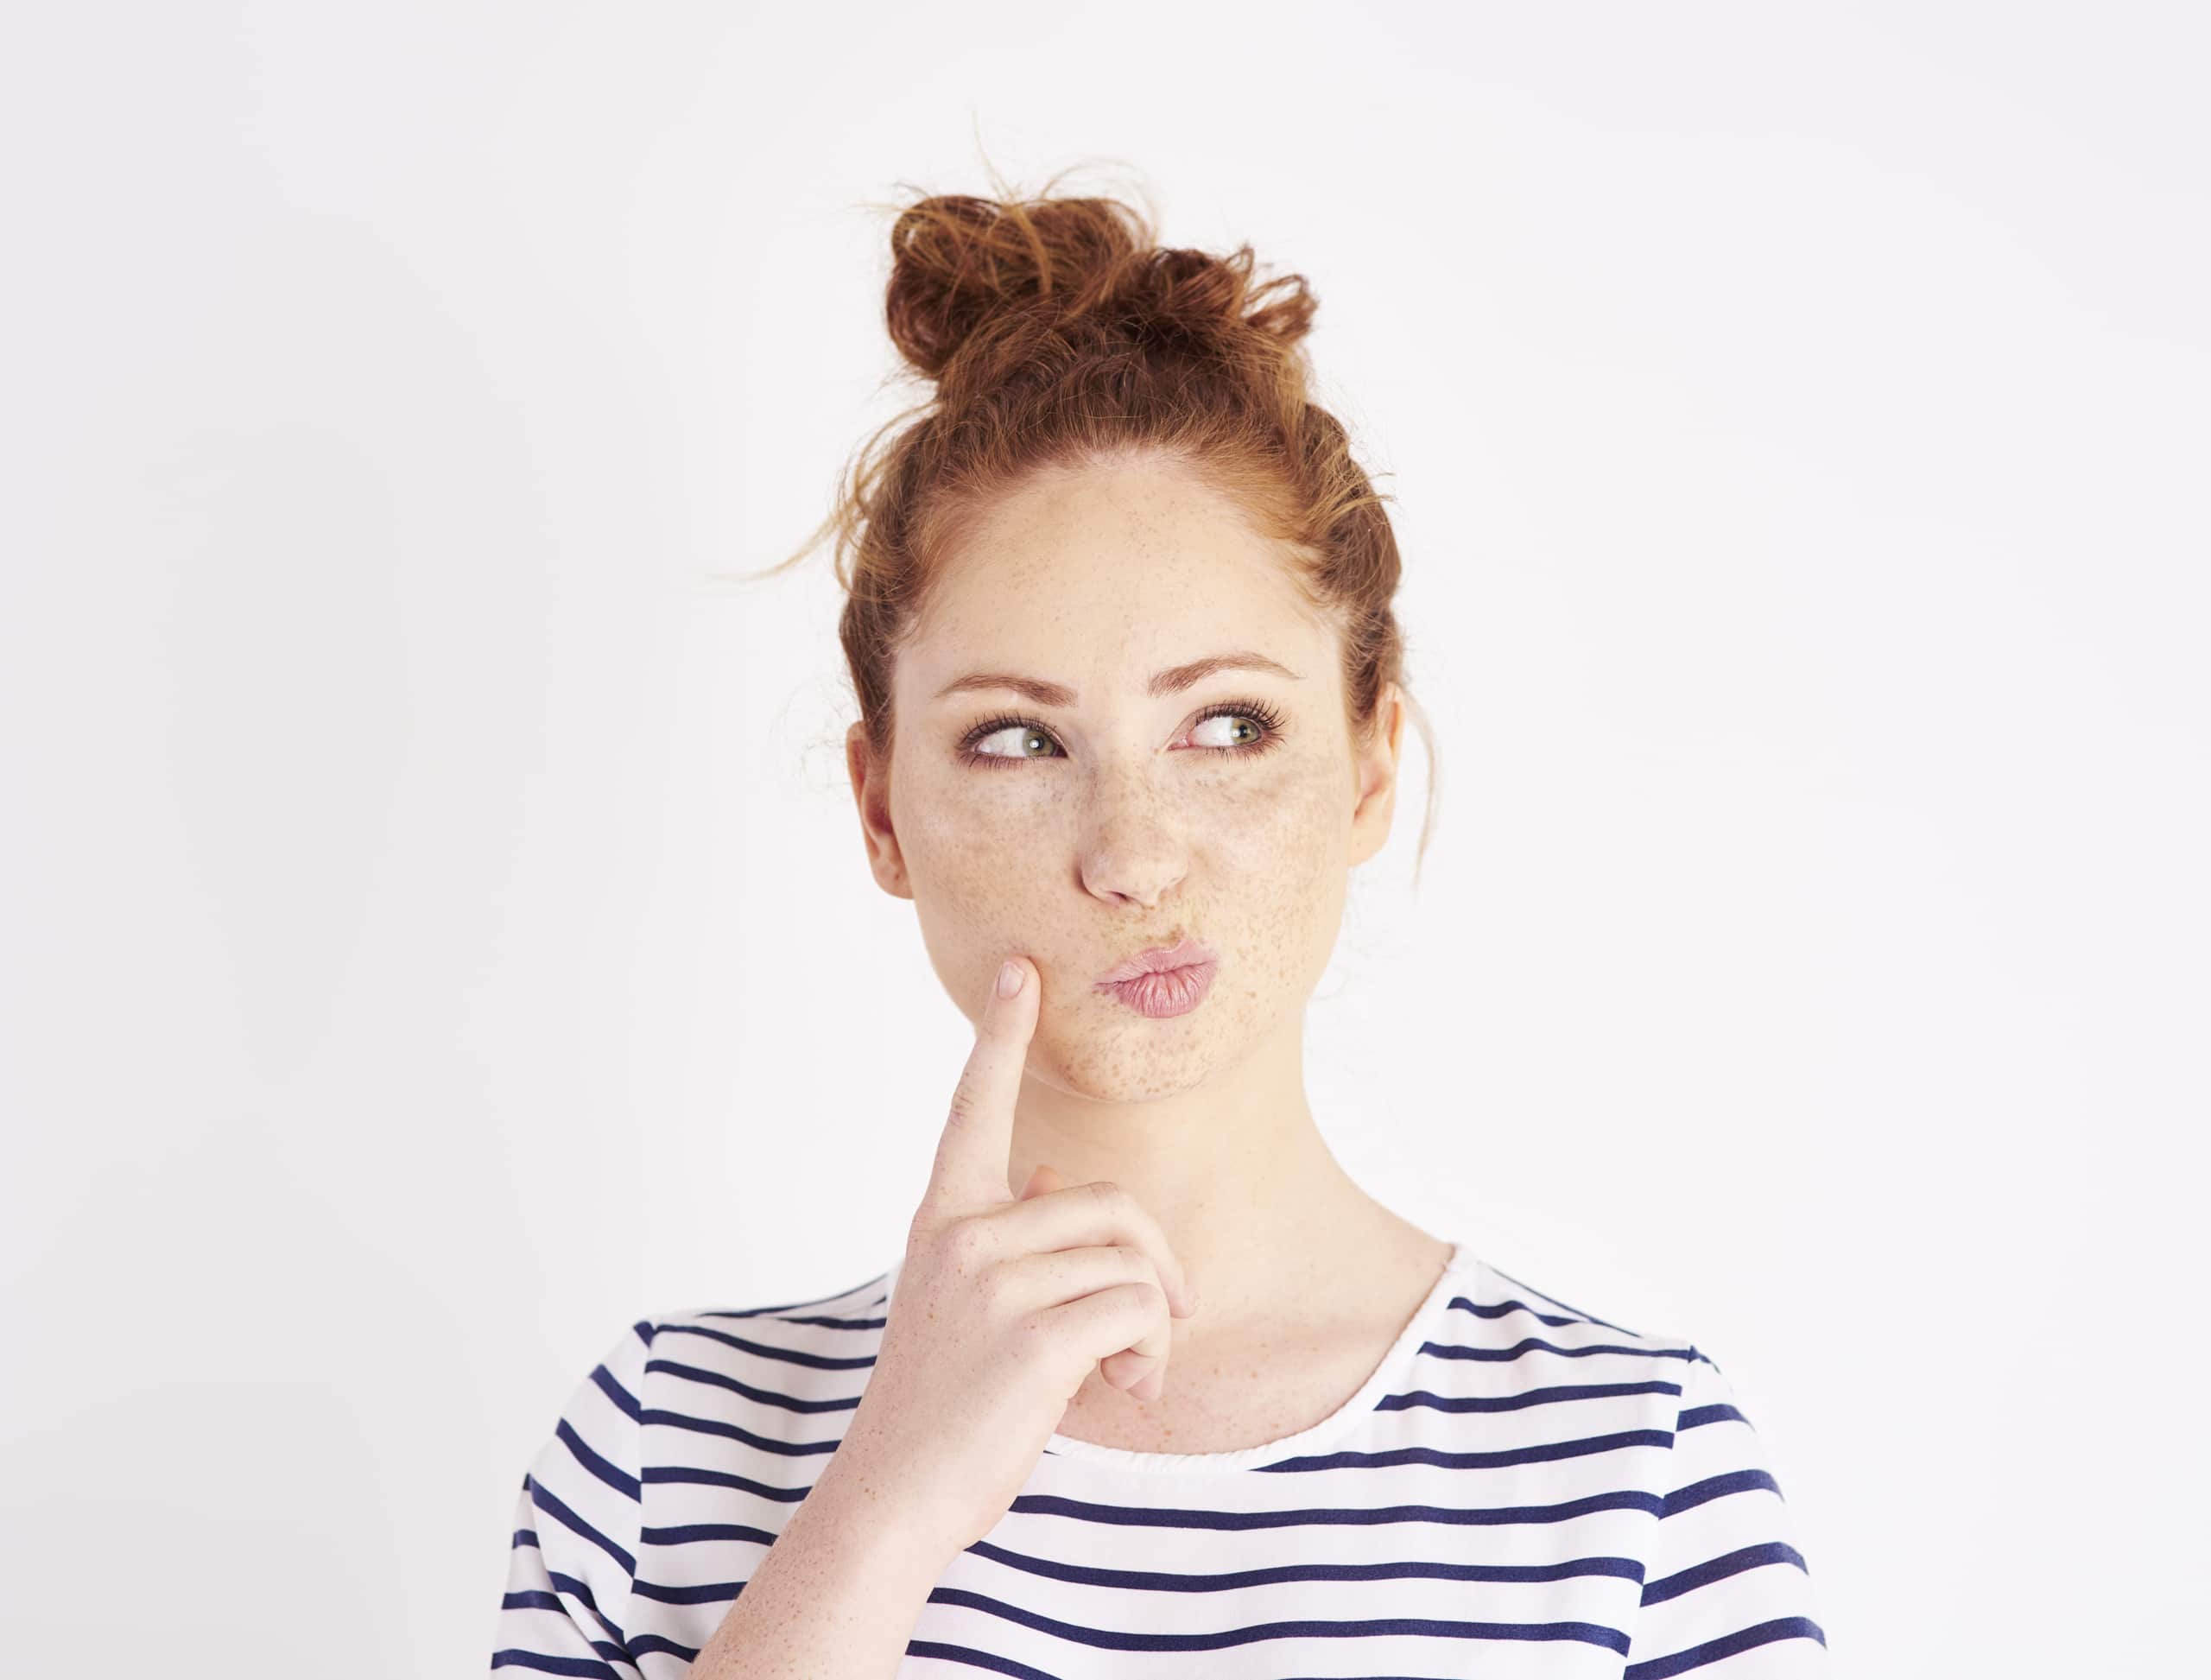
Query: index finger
976	1149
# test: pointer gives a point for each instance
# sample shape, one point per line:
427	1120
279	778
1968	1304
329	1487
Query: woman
1119	625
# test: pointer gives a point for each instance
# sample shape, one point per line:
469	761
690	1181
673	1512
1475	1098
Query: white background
435	930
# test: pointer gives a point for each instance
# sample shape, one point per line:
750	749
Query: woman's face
1081	828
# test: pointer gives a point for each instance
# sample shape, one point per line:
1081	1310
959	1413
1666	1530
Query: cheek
980	871
1284	873
1283	830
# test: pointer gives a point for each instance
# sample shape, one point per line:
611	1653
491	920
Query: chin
1121	1066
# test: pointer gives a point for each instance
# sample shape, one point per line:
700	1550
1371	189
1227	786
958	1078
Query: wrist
875	1528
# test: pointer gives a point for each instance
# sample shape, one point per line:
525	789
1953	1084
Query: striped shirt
1520	1489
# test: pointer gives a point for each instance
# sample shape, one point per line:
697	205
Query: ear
1376	772
871	793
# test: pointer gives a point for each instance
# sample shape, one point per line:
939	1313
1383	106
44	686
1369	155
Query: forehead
1090	574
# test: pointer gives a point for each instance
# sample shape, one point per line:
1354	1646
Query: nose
1131	850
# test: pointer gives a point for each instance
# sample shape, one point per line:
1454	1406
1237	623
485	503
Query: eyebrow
1172	681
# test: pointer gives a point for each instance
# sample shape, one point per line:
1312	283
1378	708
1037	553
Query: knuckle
964	1243
1036	1340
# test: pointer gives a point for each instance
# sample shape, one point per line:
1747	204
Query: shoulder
599	1422
1712	1451
1722	1570
1690	1397
616	1399
787	1370
573	1558
781	1327
1517	1313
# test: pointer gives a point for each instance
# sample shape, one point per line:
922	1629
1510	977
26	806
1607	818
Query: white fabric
1520	1489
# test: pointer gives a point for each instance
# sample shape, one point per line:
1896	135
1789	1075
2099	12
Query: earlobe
883	857
1380	772
1378	777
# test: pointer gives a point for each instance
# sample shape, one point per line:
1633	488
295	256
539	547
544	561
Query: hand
1004	1305
1144	1377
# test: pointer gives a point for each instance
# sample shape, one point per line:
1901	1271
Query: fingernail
1009	978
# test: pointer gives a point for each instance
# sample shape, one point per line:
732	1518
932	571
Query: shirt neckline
1458	1271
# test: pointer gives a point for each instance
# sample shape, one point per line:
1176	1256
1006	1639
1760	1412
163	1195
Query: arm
575	1549
836	1596
1723	1576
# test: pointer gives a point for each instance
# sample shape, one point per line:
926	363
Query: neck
1235	1172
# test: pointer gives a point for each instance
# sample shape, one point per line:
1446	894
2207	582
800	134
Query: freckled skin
1113	830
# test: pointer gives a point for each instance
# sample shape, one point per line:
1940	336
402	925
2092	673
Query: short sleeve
1725	1583
573	1558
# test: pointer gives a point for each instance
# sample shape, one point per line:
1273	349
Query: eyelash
1258	712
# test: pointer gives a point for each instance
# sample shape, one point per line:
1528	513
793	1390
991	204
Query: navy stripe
624	1401
1505	1458
684	1473
1137	1516
1719	1568
545	1502
694	1533
967	1657
613	1474
537	1664
1540	1344
581	1589
752	1438
767	1351
826	1322
1238	1580
1533	1397
766	1396
1586	1318
793	1306
1714	1488
706	1592
1610	1639
1699	1415
1508	1306
1696	1657
648	1644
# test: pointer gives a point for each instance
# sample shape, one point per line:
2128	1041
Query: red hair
1060	334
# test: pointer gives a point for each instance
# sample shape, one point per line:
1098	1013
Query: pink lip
1164	980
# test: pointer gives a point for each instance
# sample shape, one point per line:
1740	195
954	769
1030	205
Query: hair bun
959	261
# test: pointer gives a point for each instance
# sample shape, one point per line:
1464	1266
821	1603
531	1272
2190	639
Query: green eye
1266	731
1030	733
